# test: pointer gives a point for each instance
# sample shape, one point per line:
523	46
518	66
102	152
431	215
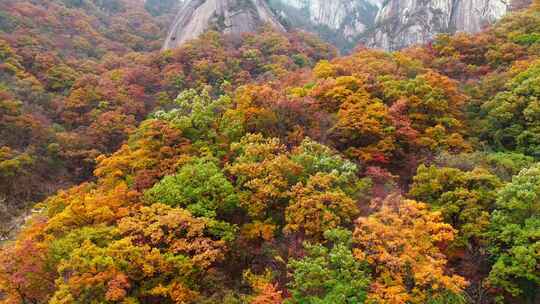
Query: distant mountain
401	23
341	22
385	24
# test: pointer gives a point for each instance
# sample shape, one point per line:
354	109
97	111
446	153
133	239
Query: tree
264	173
268	294
316	158
363	122
265	291
158	252
434	106
504	165
60	78
318	206
199	186
464	198
514	237
329	274
511	117
25	274
401	243
201	119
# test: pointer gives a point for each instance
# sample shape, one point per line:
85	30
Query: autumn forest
264	168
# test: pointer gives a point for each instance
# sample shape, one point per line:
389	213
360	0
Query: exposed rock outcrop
473	15
341	22
228	16
401	23
386	24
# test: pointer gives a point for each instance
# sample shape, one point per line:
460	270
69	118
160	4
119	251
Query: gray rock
385	24
229	16
341	22
401	23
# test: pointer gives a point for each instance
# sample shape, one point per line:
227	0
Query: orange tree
401	243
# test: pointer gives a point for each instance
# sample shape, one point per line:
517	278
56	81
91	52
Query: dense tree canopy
514	235
401	243
262	168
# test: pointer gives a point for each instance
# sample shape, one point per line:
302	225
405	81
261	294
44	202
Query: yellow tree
264	173
158	252
364	124
402	244
318	206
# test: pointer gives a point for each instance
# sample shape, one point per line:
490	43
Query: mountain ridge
389	25
403	23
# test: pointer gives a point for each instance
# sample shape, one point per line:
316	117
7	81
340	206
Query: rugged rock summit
391	24
229	16
386	24
401	23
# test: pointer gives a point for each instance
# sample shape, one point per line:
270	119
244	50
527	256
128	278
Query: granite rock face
401	23
352	16
341	22
385	24
474	15
229	16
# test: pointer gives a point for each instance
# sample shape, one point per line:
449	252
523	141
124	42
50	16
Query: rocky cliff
341	22
401	23
386	24
229	16
390	24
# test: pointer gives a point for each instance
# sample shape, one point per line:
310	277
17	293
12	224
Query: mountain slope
77	76
256	169
389	25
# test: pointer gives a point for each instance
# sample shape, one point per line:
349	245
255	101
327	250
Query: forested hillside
78	76
263	168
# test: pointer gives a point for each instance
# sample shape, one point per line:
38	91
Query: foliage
319	206
502	164
263	173
255	154
200	187
77	77
511	115
401	243
158	248
329	275
514	239
465	199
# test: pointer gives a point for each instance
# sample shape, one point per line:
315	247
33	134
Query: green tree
203	120
464	198
512	116
199	186
329	275
316	158
515	237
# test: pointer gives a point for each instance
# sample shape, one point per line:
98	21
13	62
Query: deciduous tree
401	243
